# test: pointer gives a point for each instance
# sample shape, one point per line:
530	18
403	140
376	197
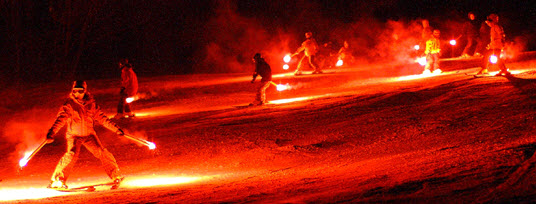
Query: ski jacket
262	68
310	46
80	118
497	36
432	46
129	81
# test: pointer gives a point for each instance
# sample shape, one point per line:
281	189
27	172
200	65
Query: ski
88	188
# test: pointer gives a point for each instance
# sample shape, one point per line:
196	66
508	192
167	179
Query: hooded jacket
262	68
81	117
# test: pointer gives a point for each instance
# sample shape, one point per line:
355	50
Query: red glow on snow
452	42
12	194
339	63
287	58
149	181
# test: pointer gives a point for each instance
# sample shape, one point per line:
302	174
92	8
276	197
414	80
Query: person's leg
300	64
312	63
429	63
122	102
108	161
262	90
436	62
66	163
485	62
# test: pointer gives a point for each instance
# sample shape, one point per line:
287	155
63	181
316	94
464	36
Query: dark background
65	40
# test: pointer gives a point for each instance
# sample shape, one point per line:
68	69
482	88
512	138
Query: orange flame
421	61
339	63
287	58
25	159
493	59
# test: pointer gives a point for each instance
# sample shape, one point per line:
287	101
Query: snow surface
355	135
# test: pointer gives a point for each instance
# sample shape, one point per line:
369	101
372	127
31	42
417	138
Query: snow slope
343	136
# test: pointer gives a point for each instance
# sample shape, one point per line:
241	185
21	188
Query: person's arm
63	115
105	121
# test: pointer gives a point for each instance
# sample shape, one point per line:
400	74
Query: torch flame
421	60
24	160
130	99
281	87
493	59
285	67
287	58
339	63
452	42
151	145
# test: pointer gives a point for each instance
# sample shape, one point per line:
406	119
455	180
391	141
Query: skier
483	38
261	68
129	88
432	52
345	54
80	113
310	48
497	38
470	31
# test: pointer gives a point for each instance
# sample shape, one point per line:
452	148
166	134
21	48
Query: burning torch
280	87
286	59
26	159
150	145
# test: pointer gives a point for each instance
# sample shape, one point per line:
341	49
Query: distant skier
129	88
309	48
261	68
80	113
432	52
497	40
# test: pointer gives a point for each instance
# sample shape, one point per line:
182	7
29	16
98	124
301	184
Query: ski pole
24	161
141	141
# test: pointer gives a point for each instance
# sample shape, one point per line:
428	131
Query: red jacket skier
129	88
80	113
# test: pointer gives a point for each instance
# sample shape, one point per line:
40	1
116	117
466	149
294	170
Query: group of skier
490	40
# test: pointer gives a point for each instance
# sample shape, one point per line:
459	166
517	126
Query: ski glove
50	137
120	132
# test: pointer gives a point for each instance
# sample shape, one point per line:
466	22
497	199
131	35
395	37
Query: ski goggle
80	91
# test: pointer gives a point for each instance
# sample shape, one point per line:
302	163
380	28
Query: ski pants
123	106
471	42
261	91
432	62
312	62
93	145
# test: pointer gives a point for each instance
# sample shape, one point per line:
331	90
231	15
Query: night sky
65	40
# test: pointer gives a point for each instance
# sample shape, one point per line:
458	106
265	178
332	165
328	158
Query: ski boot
57	185
117	182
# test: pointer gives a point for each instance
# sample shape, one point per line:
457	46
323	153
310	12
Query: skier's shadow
526	86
